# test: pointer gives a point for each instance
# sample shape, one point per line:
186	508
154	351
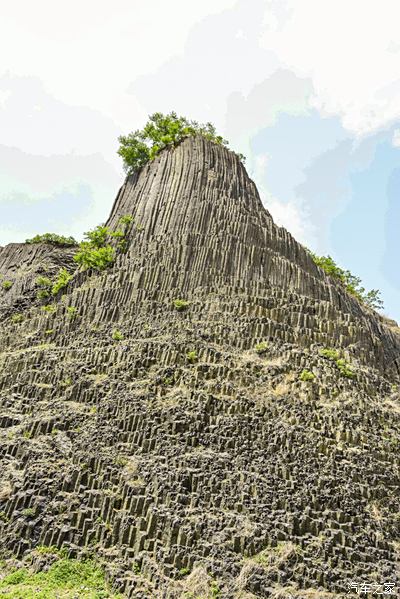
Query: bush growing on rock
117	335
96	258
161	130
331	354
53	239
351	283
48	287
50	308
261	348
72	312
16	318
6	285
334	356
307	375
191	356
180	305
345	369
97	237
44	282
96	251
126	220
62	281
45	285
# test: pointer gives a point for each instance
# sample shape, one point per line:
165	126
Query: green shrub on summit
161	130
53	239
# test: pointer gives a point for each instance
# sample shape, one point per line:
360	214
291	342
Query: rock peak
203	228
210	412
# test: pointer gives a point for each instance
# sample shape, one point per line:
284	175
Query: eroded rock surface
206	472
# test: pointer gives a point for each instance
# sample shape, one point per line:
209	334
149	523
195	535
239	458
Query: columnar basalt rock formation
188	462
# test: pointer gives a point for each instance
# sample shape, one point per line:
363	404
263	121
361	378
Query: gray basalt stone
222	470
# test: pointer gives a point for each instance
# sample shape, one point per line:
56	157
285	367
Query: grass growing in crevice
307	375
343	366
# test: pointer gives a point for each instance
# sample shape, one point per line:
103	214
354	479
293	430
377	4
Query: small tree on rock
160	131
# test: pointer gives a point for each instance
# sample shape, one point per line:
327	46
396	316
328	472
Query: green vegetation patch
50	308
161	131
97	251
47	287
180	305
66	578
331	354
63	278
117	335
343	366
89	256
17	317
72	312
6	285
45	284
53	239
307	375
192	356
351	283
261	348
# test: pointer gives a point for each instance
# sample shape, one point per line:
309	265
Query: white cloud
396	138
246	115
291	214
215	60
86	53
222	55
292	218
349	51
34	121
60	193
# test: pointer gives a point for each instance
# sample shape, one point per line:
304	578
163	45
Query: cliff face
206	231
21	264
220	465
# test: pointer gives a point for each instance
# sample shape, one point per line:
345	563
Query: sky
308	91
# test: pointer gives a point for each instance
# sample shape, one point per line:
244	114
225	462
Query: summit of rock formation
244	447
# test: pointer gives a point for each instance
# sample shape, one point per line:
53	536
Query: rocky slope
186	461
